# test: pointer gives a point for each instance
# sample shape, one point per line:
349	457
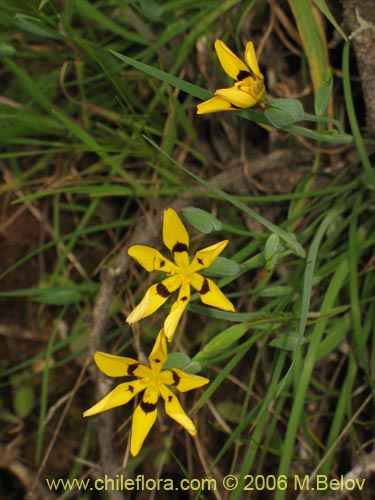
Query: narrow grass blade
172	80
313	38
323	7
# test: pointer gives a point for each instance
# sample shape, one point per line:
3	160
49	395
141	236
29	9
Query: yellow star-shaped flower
153	381
182	273
249	88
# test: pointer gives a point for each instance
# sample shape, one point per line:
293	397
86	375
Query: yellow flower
153	381
249	88
181	273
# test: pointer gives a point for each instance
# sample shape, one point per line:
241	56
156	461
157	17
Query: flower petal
151	259
252	61
177	310
154	298
210	294
118	366
205	257
214	105
239	97
158	355
143	419
176	238
120	395
175	410
186	381
252	86
232	65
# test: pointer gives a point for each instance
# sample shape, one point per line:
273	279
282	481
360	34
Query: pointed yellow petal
151	259
239	97
210	294
154	298
166	378
177	310
186	381
232	65
118	366
150	303
120	395
143	419
205	257
214	105
158	355
175	236
175	410
251	60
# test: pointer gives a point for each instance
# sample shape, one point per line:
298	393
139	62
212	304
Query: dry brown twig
359	17
363	470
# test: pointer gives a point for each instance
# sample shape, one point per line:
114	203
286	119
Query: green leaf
222	341
323	94
284	112
313	39
287	341
6	49
276	291
150	9
322	6
201	220
23	395
56	295
59	296
97	16
335	336
271	251
172	80
230	411
42	4
35	26
222	267
182	362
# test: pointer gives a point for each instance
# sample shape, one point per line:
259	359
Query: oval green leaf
201	220
222	267
284	112
222	341
23	400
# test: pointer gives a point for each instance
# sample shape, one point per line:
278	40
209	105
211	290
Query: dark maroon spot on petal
147	407
162	263
180	247
205	287
162	290
176	378
130	389
131	368
200	261
157	360
170	398
184	298
242	75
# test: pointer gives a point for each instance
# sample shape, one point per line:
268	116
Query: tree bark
359	19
